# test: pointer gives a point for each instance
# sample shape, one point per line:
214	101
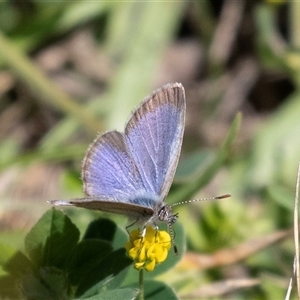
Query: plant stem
141	284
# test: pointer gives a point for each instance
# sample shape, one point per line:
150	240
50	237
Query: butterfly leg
156	231
130	225
142	232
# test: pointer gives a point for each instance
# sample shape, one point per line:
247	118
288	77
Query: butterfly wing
108	170
108	205
129	173
111	180
154	136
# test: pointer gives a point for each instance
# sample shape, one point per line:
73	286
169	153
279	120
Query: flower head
149	250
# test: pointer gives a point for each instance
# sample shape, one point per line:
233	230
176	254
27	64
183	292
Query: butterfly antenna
172	233
202	199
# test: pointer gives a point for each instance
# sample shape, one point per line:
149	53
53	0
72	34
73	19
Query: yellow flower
150	250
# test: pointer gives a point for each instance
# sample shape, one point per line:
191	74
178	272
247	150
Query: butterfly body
131	173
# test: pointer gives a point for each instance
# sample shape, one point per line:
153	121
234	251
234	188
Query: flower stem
141	284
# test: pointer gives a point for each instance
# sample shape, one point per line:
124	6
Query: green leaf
50	283
158	290
52	239
118	294
109	283
107	230
18	265
103	271
87	254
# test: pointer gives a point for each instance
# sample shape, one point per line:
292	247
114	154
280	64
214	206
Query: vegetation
69	70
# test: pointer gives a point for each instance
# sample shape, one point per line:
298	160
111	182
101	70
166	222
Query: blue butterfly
131	173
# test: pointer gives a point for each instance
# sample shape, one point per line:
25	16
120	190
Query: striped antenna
172	234
203	199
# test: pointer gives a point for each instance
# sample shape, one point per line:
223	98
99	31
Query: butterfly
131	173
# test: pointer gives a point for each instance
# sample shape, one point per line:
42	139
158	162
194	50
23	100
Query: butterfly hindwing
109	205
108	170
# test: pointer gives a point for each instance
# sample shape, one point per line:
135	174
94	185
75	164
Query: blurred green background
69	70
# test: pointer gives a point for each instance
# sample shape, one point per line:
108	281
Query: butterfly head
165	214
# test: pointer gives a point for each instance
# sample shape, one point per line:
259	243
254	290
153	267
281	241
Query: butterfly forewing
154	136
